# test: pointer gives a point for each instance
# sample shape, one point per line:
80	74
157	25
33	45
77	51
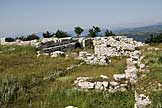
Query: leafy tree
61	34
32	37
97	30
154	39
94	31
22	38
78	30
48	35
109	33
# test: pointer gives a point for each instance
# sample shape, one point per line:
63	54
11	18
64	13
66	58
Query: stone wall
49	45
18	42
115	46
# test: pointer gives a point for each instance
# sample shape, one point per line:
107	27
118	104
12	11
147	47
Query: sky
30	16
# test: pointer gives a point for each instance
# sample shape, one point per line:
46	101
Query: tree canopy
78	30
28	38
154	39
61	34
48	34
94	31
109	33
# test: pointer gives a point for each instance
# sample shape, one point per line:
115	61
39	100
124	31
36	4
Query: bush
31	37
154	39
9	39
48	35
61	34
160	60
22	38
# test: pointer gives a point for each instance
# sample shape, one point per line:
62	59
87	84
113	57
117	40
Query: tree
97	30
61	34
154	39
32	37
48	35
109	33
22	38
94	31
78	31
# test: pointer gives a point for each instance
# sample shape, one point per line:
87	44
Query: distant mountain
141	33
148	29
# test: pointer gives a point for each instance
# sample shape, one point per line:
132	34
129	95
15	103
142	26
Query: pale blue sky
28	16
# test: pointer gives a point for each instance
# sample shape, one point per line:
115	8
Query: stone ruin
104	84
110	47
141	101
115	46
50	45
18	42
107	47
93	59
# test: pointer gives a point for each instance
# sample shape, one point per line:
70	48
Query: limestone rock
119	77
71	107
142	101
104	76
57	53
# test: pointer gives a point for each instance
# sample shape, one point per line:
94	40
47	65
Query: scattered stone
104	76
111	86
57	53
86	85
71	107
115	46
119	77
93	59
142	66
142	101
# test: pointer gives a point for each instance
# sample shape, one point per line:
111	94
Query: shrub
48	35
109	33
154	39
61	34
9	39
22	38
160	60
31	37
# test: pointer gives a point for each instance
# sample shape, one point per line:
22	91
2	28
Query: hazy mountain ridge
141	33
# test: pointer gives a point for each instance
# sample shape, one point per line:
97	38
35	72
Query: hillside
141	33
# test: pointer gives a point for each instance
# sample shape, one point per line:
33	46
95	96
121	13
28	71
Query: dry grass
21	68
118	65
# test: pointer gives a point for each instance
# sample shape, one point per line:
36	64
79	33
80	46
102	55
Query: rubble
87	83
142	101
71	107
18	42
115	46
93	59
119	77
104	76
57	53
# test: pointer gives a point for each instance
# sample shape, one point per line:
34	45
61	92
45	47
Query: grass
117	66
149	83
21	84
